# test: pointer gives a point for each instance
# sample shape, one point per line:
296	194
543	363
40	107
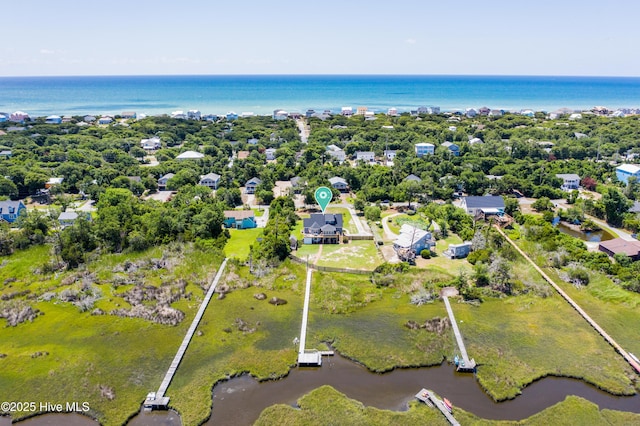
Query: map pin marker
323	197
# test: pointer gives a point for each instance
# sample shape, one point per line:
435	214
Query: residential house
475	141
322	228
346	111
231	116
452	147
280	115
339	184
19	117
53	182
190	155
270	153
239	219
250	186
625	171
253	141
484	111
621	246
67	218
366	156
413	239
246	114
151	144
211	180
570	181
128	114
487	204
392	112
361	110
310	112
194	114
243	155
6	153
210	117
10	210
413	177
53	119
3	117
89	118
496	113
162	182
458	251
424	148
337	153
297	184
390	154
470	112
180	115
105	119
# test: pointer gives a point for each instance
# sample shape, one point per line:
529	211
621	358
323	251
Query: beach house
251	185
240	219
322	229
366	156
412	238
625	171
339	183
190	155
210	180
424	148
162	182
487	204
570	181
10	210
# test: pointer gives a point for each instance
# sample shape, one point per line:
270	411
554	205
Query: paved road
303	129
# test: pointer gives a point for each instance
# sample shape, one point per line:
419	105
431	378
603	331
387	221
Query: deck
466	364
160	400
429	398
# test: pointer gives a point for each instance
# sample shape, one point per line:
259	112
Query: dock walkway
160	399
429	398
466	364
307	357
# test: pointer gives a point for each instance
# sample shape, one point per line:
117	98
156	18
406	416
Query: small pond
593	237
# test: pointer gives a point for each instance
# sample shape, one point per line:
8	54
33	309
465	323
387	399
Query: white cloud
411	41
47	52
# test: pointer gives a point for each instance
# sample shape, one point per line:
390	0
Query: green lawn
347	220
240	242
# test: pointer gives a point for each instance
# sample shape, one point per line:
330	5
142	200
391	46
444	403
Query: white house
347	111
3	118
151	144
570	181
194	114
625	171
339	183
105	119
336	152
53	119
211	180
180	115
366	156
470	112
474	141
190	155
412	238
392	112
424	148
270	153
280	115
162	182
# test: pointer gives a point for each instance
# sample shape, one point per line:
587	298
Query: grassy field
361	254
240	242
67	355
325	405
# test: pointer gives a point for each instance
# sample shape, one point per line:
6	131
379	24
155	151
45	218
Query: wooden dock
159	400
466	364
429	398
307	357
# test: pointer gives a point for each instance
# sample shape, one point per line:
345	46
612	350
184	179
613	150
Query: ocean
261	94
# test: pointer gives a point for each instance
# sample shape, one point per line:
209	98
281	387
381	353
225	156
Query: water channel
593	236
240	401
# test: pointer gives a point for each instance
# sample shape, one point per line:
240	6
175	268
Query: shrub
479	256
425	254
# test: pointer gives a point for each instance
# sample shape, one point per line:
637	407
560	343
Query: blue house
239	219
625	171
452	147
10	210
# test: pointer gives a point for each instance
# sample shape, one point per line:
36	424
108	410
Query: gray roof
336	179
212	176
7	204
487	201
253	181
68	216
571	176
413	177
319	220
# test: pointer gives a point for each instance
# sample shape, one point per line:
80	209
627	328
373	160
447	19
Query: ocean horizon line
326	75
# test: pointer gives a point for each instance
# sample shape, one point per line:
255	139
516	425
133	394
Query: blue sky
536	37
